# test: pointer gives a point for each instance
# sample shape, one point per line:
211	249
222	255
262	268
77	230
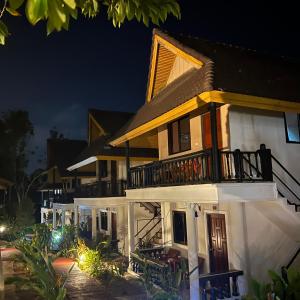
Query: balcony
101	189
165	274
199	168
64	198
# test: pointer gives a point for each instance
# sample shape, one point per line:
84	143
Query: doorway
217	243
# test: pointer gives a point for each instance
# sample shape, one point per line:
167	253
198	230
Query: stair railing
285	185
148	231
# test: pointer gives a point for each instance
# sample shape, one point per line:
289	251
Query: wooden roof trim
201	100
158	40
92	119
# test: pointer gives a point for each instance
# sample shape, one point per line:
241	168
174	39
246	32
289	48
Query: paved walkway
82	287
79	285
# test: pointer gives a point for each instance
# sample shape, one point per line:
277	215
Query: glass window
292	127
179	135
104	220
179	227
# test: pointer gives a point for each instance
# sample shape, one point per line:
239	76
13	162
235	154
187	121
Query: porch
184	254
102	217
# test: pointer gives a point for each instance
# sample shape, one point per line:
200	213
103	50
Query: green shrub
41	277
281	287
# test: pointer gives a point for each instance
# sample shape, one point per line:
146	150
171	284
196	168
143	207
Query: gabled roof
214	67
61	152
110	121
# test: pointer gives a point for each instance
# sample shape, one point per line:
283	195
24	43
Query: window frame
176	241
286	129
170	136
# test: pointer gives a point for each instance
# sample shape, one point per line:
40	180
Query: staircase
149	231
152	207
288	186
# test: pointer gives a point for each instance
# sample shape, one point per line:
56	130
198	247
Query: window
292	127
179	227
179	135
104	220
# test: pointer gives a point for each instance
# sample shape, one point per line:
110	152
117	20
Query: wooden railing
188	169
219	285
153	271
196	168
101	189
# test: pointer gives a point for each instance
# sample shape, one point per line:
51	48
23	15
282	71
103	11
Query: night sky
94	65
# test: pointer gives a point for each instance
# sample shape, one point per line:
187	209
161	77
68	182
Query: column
192	240
130	228
163	225
214	143
98	177
94	223
54	218
42	215
128	165
63	217
75	215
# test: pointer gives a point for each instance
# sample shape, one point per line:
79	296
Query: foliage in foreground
57	13
41	277
281	287
97	264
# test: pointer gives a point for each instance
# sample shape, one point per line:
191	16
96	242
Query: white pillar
42	215
130	228
63	217
94	223
54	218
163	225
76	215
192	240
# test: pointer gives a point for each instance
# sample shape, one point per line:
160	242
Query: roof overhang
93	159
201	100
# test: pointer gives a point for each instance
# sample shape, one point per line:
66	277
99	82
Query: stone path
82	287
79	285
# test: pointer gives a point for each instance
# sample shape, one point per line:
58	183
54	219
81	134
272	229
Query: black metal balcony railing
196	168
64	198
101	189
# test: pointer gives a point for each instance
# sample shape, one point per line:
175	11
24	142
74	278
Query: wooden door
206	130
218	256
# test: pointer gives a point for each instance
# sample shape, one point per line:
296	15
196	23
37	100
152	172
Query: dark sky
94	65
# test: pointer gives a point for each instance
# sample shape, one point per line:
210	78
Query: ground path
79	285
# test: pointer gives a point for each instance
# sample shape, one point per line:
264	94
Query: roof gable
167	63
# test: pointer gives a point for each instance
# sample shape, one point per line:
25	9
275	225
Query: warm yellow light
2	228
82	257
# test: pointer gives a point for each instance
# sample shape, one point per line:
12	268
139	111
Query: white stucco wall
249	128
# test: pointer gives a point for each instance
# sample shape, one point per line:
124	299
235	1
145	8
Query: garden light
82	258
2	228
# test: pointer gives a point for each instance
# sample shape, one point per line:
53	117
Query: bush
95	264
282	287
42	277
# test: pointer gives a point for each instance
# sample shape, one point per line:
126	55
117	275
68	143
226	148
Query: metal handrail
150	220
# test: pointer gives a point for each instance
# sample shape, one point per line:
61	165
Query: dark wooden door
218	255
206	130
